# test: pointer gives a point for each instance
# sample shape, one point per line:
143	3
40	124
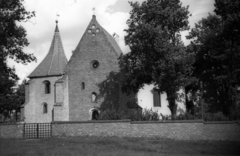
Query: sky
74	17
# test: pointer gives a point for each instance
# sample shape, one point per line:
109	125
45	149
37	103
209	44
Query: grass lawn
105	146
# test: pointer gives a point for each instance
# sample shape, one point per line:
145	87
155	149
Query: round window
93	26
94	64
93	34
89	30
97	30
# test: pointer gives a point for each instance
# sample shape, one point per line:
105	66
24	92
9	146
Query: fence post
24	130
51	129
37	130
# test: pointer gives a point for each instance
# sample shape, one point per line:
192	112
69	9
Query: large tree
216	42
158	56
12	41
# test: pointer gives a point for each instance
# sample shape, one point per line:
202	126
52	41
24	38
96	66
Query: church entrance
95	115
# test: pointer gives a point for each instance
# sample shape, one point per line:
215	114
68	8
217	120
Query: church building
61	90
75	90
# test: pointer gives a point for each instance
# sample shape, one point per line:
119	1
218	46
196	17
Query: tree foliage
12	41
216	42
13	100
157	55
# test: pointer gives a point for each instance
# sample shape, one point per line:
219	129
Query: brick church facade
74	90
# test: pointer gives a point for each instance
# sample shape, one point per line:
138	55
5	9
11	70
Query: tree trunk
172	105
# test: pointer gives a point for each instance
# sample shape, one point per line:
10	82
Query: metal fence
37	130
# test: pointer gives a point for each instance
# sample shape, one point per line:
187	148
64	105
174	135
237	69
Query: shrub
215	117
146	115
111	114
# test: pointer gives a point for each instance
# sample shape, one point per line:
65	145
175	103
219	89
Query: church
74	90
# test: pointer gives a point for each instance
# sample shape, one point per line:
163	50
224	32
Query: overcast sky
74	17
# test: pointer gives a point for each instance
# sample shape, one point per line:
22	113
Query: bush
215	117
134	115
146	115
207	117
111	114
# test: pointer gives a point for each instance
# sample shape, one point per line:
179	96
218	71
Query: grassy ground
114	146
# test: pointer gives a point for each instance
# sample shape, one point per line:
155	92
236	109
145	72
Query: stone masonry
96	46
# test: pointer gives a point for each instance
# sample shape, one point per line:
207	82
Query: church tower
40	90
93	60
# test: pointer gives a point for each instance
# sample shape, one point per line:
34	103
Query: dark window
94	97
45	109
83	85
94	64
47	87
156	98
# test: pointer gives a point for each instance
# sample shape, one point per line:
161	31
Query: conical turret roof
55	61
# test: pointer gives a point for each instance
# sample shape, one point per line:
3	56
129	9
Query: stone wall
11	130
180	130
33	109
94	46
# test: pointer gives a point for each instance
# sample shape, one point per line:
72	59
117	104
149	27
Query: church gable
94	58
96	43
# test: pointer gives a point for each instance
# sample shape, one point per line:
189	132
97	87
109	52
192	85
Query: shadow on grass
116	146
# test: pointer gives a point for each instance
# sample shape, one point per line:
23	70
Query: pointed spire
55	61
56	29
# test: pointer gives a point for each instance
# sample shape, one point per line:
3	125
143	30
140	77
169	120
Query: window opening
156	98
94	97
94	64
47	87
83	85
45	109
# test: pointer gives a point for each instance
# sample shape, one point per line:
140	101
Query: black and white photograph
119	77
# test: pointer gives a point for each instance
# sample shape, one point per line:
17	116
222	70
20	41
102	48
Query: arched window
94	97
47	87
83	85
45	109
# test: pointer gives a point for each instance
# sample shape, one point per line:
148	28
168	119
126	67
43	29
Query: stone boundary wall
11	130
180	130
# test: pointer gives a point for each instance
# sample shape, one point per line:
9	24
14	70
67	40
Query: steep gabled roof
55	61
113	42
110	38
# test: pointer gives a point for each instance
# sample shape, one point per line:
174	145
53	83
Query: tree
216	41
12	41
13	101
157	55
